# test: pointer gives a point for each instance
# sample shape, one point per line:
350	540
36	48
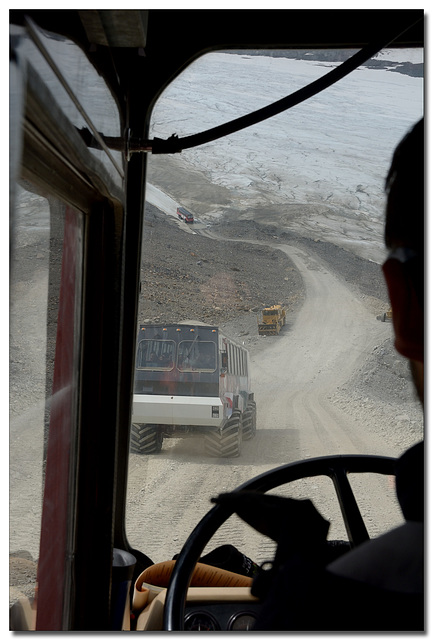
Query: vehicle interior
275	129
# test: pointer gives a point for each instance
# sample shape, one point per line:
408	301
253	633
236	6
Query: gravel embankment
192	276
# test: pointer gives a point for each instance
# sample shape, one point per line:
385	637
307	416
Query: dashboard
207	609
236	616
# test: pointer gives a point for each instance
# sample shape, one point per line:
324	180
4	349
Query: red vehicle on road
184	215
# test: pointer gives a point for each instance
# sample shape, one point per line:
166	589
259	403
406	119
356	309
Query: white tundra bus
191	379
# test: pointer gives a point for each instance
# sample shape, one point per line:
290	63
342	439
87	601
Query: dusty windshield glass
283	262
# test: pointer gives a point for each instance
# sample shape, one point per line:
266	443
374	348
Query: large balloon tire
145	439
226	443
249	420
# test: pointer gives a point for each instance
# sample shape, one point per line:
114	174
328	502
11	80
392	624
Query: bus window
47	240
50	189
155	354
30	347
231	365
197	356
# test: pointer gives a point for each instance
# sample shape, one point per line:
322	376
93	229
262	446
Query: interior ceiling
115	28
208	28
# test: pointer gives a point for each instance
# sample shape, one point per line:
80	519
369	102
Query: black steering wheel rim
335	467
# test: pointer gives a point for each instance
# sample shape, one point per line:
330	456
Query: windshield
154	354
200	356
283	261
263	333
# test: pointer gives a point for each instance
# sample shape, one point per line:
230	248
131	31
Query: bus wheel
249	421
226	443
145	438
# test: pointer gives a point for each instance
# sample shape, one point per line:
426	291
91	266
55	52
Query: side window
30	347
50	166
231	359
224	361
46	240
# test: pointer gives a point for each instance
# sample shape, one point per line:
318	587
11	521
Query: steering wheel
335	467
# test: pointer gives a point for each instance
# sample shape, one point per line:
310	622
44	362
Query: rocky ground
257	275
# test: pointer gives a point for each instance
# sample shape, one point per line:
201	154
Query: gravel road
366	406
303	411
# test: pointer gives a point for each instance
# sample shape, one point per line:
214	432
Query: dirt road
294	378
318	354
304	381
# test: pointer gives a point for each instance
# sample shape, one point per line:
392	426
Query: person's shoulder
393	561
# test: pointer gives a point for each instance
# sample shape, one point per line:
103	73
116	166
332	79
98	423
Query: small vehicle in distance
185	215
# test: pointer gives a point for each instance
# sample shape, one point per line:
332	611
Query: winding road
293	380
328	342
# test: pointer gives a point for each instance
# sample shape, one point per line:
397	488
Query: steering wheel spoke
335	467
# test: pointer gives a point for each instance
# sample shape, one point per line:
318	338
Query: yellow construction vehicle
386	316
273	318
